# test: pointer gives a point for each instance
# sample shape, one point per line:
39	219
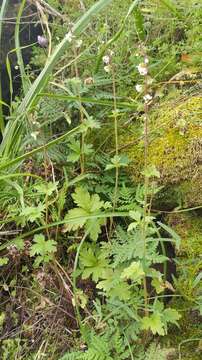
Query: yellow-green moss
190	329
189	261
189	228
175	147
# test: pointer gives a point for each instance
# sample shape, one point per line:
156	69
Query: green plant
105	347
86	205
84	247
44	249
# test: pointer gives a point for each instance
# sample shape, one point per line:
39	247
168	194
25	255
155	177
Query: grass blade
31	98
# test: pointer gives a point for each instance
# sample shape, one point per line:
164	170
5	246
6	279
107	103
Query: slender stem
116	135
78	315
82	142
146	188
116	146
46	197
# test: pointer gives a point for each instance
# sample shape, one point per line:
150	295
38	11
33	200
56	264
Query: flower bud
42	41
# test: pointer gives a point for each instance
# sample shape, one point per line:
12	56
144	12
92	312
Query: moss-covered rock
189	228
188	286
189	261
175	148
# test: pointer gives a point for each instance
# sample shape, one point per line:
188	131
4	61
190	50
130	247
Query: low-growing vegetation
100	180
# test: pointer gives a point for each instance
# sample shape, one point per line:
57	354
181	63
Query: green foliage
155	352
86	163
104	347
87	205
46	189
44	249
157	322
93	263
31	213
75	153
3	261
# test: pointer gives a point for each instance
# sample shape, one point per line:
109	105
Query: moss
189	228
188	257
188	261
175	147
186	337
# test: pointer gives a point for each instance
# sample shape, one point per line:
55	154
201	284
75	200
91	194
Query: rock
175	148
29	30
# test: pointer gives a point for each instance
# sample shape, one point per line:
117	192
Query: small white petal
107	68
69	36
106	59
138	88
34	135
79	43
147	98
142	69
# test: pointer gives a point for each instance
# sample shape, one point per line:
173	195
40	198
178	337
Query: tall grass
2	15
14	130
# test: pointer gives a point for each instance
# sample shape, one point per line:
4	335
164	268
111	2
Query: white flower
42	41
34	122
79	43
146	60
147	98
34	135
142	68
107	68
69	36
106	59
138	88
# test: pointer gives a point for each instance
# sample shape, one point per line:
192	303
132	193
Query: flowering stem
116	147
82	141
146	187
116	138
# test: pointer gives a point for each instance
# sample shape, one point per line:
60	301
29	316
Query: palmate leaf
42	249
81	197
158	321
114	286
153	323
94	265
87	205
86	201
41	246
94	227
78	214
171	315
31	213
